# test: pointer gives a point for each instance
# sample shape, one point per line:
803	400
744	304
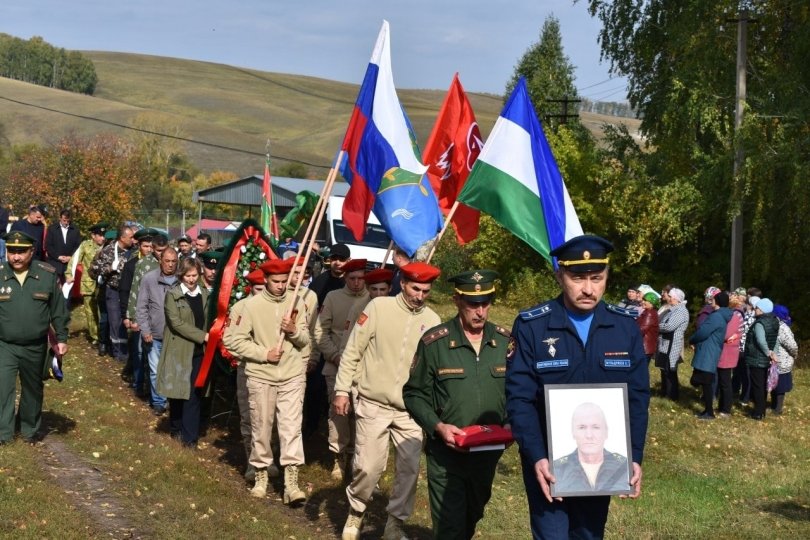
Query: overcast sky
430	39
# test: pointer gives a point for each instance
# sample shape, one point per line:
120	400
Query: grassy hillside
303	117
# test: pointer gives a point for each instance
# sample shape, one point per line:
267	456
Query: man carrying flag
383	164
516	179
450	153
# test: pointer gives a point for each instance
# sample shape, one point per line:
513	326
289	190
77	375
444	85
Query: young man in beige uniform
377	358
329	331
275	377
378	283
257	284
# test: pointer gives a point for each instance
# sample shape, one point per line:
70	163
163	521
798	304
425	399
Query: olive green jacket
449	383
179	337
27	310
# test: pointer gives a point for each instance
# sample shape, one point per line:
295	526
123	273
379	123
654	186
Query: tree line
36	61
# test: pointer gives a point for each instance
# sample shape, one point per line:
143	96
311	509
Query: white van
374	244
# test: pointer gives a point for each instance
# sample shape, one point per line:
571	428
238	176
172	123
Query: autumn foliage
99	179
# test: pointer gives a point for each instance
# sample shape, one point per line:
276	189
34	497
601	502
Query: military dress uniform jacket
84	256
256	331
331	325
142	267
27	310
452	384
546	349
612	475
380	350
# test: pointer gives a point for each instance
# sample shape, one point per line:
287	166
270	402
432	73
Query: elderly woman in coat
786	355
671	327
708	343
648	323
184	341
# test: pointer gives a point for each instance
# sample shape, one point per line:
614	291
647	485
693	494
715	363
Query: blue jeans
153	354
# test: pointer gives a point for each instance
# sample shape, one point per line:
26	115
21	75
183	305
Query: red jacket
648	323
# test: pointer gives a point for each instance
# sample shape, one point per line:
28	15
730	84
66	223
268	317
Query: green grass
730	478
304	118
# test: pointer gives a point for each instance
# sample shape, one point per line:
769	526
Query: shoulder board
535	312
45	266
621	311
503	331
439	333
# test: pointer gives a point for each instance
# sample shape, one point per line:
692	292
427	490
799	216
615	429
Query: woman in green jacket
184	341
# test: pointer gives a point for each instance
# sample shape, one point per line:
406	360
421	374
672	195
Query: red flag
452	149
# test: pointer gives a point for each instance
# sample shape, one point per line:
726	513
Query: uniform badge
550	342
511	348
477	277
361	320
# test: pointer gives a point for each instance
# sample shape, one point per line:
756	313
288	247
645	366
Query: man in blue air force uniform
573	339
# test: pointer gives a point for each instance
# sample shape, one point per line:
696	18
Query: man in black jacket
61	241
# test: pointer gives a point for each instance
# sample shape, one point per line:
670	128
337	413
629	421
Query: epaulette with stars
45	266
503	331
537	311
621	311
439	333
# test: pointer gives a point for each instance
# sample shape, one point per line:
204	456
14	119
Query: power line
158	134
597	84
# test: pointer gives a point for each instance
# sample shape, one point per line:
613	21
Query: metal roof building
248	192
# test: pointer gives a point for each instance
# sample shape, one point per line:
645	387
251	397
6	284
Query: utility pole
564	116
737	222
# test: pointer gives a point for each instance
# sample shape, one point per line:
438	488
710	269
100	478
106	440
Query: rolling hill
235	111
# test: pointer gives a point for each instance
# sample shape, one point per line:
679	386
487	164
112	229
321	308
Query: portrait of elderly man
590	468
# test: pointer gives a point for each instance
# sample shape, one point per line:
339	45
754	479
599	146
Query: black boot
102	349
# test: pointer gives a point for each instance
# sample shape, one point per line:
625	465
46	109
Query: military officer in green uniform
457	380
30	301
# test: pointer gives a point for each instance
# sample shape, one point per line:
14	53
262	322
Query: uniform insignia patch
500	369
451	371
550	342
238	320
511	348
41	296
361	320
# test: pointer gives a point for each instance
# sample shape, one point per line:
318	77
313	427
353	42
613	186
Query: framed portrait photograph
589	439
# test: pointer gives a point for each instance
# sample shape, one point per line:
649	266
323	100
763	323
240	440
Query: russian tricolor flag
383	164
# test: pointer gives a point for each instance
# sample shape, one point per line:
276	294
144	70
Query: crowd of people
743	346
362	344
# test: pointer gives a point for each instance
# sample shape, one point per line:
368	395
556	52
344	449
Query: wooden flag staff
309	235
441	233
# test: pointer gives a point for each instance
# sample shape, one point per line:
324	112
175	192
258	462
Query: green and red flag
269	220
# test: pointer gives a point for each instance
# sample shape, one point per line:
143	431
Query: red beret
379	275
420	272
354	265
256	277
277	266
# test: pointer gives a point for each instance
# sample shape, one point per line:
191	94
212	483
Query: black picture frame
574	436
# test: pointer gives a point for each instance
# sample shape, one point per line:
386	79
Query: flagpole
387	254
314	225
441	232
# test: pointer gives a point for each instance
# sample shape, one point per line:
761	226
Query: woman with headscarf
708	306
671	327
648	323
184	341
785	355
760	352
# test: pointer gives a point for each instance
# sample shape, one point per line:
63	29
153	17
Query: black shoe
102	349
34	439
704	416
753	416
159	410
